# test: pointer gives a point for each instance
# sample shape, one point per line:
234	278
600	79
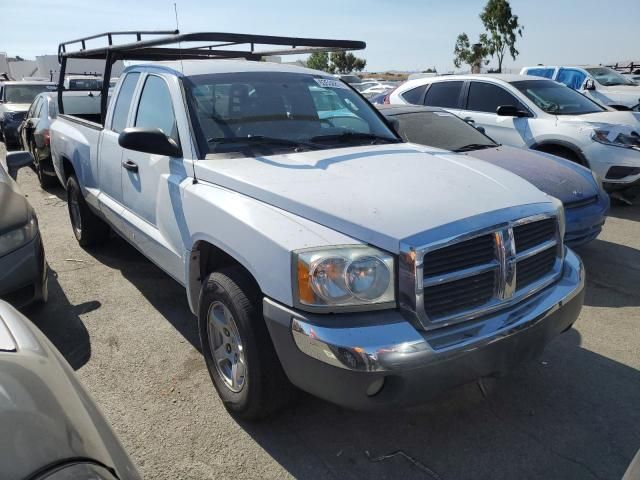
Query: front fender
259	236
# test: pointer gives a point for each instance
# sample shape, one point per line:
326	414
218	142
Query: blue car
580	190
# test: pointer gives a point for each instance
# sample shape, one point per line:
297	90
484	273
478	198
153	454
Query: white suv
602	84
541	114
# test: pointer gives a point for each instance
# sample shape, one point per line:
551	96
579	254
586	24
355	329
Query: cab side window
571	78
155	109
486	97
123	103
444	94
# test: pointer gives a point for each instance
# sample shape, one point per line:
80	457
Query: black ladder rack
173	45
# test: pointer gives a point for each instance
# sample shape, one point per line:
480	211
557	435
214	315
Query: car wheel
237	347
88	228
46	181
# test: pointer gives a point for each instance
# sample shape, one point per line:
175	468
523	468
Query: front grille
531	234
464	279
462	255
459	295
535	267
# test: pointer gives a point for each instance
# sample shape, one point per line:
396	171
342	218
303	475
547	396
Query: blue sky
400	34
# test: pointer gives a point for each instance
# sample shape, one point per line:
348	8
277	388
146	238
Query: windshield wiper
349	136
263	140
474	146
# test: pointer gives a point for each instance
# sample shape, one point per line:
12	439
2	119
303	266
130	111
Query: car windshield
248	110
557	99
25	93
441	130
608	77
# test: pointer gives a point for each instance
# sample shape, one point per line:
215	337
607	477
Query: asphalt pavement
126	329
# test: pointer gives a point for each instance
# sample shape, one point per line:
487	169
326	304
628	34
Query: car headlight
624	140
343	277
15	239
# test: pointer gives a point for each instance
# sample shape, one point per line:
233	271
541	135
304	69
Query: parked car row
539	114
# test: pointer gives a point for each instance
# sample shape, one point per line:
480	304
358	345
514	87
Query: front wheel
237	347
88	228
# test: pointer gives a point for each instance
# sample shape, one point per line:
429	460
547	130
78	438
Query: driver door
151	184
482	102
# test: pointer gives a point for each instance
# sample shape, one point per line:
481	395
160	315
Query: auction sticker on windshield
330	83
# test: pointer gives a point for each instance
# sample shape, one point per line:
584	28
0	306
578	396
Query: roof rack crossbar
62	47
127	51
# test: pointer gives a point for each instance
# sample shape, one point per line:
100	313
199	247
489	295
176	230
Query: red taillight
47	137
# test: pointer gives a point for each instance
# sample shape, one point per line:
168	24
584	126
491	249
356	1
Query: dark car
23	267
51	428
15	99
586	203
34	136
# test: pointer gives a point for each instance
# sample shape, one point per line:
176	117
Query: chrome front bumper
337	357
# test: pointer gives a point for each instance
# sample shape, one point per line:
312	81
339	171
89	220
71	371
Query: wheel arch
551	146
204	258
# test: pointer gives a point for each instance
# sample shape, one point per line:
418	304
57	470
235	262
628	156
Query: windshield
441	130
249	110
557	99
25	93
85	84
608	77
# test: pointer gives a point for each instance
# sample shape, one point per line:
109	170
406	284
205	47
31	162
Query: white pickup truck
314	246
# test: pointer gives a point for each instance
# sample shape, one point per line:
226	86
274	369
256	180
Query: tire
88	228
260	387
46	181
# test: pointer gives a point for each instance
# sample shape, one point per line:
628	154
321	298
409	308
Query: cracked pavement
125	327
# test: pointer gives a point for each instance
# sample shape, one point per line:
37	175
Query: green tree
346	62
503	28
472	55
319	61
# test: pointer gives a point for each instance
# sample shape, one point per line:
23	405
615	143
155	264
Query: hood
555	176
625	122
16	107
46	414
16	210
378	194
628	94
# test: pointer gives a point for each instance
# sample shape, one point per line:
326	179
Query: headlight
15	239
344	277
624	140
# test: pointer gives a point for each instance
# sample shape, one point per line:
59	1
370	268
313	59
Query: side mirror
510	111
590	84
17	160
149	140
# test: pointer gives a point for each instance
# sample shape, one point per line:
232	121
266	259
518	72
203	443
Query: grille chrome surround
418	294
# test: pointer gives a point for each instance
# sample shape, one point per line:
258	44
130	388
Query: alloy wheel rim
226	347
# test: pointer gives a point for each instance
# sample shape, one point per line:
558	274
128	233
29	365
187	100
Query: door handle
130	165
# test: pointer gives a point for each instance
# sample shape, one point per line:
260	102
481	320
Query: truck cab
316	248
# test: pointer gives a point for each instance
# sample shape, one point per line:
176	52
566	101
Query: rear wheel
237	347
46	181
88	228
